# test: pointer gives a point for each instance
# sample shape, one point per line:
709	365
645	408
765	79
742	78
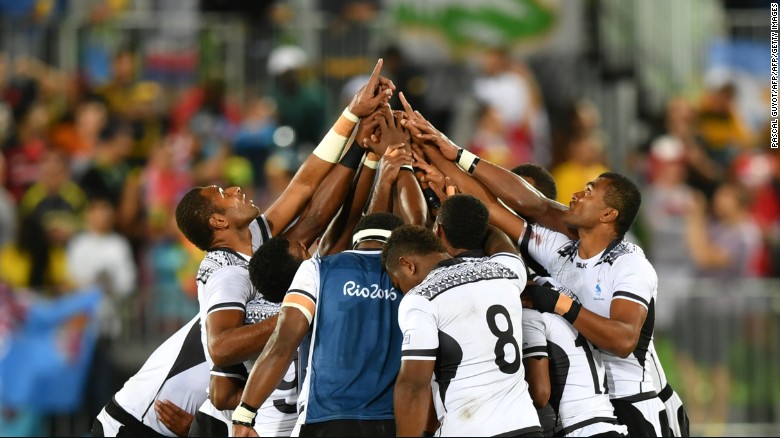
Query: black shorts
644	418
205	425
356	428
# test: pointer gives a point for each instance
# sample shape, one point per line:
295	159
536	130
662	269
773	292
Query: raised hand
176	419
423	131
377	91
394	157
390	132
430	176
366	128
239	430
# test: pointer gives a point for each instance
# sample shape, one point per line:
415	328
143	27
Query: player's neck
237	239
593	241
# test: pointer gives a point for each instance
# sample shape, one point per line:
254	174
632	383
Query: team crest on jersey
407	339
216	260
597	295
260	309
448	277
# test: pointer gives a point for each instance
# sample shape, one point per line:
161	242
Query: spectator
510	88
723	250
106	175
722	127
7	209
79	137
170	261
149	123
34	261
25	149
667	203
100	256
54	190
254	140
299	98
704	173
584	163
118	92
489	140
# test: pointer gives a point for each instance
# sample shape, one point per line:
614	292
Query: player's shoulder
624	253
218	259
454	273
259	309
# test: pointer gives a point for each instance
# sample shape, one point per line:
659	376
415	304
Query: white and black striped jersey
467	316
223	278
675	411
578	380
224	284
620	272
175	371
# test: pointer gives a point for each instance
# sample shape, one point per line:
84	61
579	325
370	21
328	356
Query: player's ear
407	265
609	215
218	221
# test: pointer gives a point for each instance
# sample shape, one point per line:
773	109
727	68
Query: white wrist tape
349	116
371	164
407	167
331	147
243	415
468	161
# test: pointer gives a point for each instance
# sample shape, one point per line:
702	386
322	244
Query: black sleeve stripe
265	230
303	292
530	261
538	349
630	295
224	305
431	353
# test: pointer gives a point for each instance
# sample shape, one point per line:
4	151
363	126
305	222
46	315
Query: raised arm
338	236
505	220
619	334
270	367
327	200
518	194
389	168
311	174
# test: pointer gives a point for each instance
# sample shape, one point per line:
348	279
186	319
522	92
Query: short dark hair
381	221
622	195
543	179
192	218
464	220
272	268
410	240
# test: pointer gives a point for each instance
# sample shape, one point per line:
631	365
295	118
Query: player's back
476	308
354	350
175	371
578	381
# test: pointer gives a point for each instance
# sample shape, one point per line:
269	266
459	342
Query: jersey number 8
504	338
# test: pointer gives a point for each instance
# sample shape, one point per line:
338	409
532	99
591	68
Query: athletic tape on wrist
244	415
349	116
371	164
331	147
467	161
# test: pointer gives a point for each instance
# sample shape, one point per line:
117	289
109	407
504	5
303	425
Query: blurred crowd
92	168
